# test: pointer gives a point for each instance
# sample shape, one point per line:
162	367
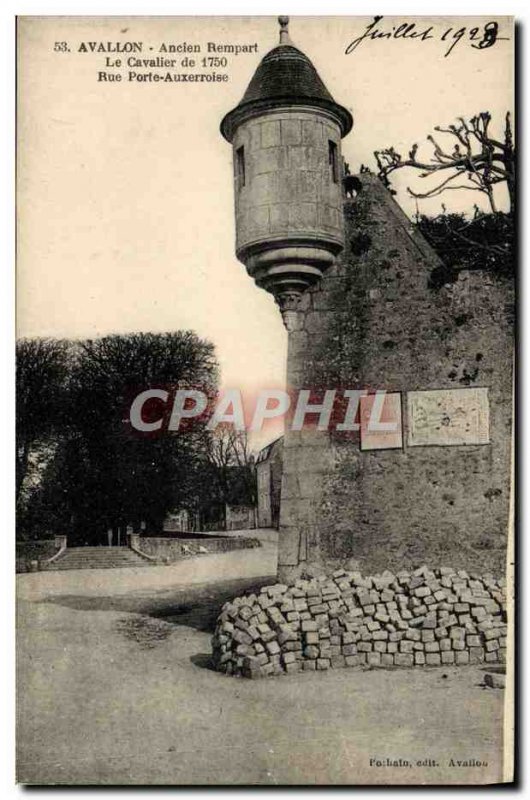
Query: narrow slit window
333	162
240	167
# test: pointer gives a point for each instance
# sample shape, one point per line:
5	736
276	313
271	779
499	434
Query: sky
125	199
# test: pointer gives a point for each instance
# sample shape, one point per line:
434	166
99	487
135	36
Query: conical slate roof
285	71
285	77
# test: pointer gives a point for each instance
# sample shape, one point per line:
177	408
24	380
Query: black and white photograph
265	327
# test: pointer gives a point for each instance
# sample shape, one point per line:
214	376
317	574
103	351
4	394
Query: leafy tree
42	367
103	473
132	476
484	242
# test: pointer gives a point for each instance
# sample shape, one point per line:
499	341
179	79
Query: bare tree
472	154
227	450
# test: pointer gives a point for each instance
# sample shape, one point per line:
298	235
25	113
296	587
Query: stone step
98	550
98	558
71	562
57	566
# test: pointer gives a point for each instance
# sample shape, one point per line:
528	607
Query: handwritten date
480	37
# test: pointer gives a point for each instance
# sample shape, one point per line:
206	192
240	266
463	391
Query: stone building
354	282
239	517
269	470
179	521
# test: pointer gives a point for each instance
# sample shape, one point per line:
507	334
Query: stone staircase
98	558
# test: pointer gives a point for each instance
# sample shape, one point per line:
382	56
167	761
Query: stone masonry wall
276	465
378	320
424	618
288	188
173	549
39	550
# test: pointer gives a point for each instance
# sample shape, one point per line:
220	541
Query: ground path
115	688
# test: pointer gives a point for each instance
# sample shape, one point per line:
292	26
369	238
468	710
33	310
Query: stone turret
286	136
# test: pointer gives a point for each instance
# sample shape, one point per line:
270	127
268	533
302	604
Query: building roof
267	451
285	71
285	77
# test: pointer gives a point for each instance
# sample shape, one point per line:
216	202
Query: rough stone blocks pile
425	617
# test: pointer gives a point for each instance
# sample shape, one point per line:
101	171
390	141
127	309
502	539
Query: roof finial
284	30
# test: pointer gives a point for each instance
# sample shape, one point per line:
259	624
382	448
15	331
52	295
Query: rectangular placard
448	417
381	427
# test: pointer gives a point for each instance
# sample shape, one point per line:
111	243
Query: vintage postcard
265	340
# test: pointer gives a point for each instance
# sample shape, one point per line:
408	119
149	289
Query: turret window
333	161
240	167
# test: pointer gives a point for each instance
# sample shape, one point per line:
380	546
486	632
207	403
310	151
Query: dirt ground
115	687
